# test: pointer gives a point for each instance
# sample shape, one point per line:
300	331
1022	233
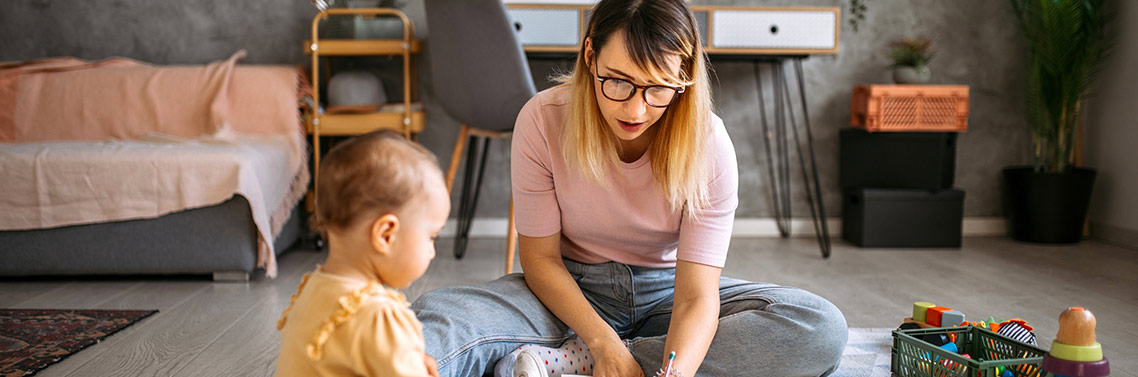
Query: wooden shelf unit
363	47
355	124
409	118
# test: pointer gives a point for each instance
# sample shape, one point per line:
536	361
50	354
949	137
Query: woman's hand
614	360
695	315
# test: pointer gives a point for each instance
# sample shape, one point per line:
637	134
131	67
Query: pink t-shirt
629	222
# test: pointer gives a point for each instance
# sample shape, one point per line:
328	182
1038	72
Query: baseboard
1111	234
985	226
758	227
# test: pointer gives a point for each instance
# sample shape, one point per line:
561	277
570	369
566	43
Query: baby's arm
394	346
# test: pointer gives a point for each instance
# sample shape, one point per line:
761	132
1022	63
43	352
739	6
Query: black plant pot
1047	207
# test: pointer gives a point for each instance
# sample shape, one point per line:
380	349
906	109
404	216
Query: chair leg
511	239
456	157
469	202
464	216
478	177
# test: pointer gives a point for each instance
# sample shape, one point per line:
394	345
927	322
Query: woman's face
631	119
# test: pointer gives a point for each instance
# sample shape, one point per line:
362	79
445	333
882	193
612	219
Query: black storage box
873	217
920	160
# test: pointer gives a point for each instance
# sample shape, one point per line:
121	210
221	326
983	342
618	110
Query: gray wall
1111	133
977	43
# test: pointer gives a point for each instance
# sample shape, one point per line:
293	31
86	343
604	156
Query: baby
381	202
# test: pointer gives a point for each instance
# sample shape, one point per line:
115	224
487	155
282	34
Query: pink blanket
68	99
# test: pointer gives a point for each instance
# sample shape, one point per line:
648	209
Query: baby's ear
382	233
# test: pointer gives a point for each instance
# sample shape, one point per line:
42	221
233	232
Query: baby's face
420	222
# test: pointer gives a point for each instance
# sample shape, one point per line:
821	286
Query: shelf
355	124
387	116
346	47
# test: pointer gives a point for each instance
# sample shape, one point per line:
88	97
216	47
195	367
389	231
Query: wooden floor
228	329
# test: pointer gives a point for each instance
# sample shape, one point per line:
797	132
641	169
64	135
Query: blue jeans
764	329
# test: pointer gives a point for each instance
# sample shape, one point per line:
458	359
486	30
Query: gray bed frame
219	240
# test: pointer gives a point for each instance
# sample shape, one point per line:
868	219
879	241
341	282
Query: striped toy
1018	330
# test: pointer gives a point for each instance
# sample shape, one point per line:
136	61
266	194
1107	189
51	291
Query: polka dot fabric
571	358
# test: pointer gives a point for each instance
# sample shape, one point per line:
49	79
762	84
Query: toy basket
913	357
941	108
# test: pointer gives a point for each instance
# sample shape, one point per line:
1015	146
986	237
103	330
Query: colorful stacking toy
919	310
1075	353
927	315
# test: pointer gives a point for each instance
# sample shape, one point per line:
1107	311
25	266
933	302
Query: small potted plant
911	59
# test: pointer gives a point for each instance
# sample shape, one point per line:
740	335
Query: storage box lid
909	194
895	136
911	90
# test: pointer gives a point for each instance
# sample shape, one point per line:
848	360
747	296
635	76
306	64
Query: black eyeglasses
621	90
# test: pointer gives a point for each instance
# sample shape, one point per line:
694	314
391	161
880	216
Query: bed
120	167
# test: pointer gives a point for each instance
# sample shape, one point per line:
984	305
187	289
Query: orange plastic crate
937	108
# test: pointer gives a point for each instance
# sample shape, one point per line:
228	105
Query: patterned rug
32	339
866	353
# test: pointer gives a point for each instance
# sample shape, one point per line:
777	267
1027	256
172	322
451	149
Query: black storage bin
873	217
920	160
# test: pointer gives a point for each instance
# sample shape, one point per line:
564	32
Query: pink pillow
262	99
125	100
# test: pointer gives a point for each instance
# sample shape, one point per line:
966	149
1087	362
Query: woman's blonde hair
653	30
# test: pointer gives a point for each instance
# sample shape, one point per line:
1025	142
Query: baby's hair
370	174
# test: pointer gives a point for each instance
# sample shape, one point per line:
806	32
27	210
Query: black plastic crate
919	160
875	217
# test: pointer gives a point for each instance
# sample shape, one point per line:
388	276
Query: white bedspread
53	184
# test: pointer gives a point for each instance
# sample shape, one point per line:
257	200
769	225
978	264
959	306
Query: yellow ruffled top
338	326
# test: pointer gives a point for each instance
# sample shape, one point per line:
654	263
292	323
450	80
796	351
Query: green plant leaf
1067	46
911	52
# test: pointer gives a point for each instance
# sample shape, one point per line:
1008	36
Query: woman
625	187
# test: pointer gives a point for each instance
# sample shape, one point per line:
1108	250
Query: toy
919	309
909	326
1075	353
940	317
938	340
987	352
1076	327
928	315
950	347
933	315
1018	330
951	318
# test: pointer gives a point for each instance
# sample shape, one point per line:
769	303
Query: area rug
866	353
33	339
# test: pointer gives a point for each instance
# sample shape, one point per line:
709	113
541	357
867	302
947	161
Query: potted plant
911	59
1047	202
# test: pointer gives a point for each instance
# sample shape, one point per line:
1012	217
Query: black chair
480	76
